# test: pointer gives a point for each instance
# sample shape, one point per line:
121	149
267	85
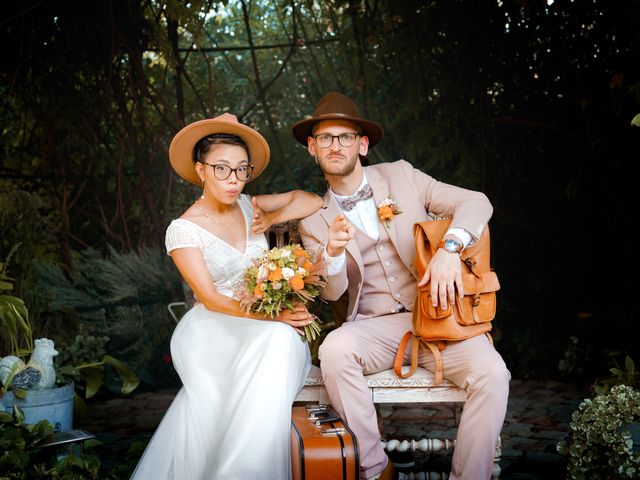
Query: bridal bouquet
281	278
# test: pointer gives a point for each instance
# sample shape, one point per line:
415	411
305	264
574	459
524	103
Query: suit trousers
369	345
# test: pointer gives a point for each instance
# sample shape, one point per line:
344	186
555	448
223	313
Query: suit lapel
380	187
381	190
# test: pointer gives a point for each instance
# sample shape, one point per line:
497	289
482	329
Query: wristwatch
450	245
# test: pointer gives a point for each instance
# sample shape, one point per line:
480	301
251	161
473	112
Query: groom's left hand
261	220
445	273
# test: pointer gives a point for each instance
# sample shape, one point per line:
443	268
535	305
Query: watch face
451	246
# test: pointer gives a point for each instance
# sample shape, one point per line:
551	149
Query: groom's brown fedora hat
336	106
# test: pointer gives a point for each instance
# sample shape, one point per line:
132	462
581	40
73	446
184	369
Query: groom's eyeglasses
324	140
222	172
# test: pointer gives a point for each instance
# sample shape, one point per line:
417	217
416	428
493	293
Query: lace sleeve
180	235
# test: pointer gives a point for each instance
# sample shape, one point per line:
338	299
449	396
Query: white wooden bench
385	386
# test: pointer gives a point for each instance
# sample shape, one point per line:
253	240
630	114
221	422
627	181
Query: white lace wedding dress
231	418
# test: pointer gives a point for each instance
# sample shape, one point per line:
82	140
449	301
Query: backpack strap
436	348
416	343
402	347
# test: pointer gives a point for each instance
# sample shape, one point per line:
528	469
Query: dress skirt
231	418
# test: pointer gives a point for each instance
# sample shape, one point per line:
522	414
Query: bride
240	372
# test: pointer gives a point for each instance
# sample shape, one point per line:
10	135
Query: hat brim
181	148
303	129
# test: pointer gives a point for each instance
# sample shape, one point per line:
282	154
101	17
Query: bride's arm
282	207
191	265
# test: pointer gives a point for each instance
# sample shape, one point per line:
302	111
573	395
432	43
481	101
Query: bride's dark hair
205	143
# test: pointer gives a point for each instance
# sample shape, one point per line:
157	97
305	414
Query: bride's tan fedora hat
181	148
336	106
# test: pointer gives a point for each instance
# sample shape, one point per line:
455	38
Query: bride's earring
316	159
202	196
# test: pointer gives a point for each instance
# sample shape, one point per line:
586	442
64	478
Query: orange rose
307	266
296	282
257	292
299	252
386	212
276	275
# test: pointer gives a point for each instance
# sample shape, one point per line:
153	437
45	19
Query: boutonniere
387	210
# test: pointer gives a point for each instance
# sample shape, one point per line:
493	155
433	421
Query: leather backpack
468	317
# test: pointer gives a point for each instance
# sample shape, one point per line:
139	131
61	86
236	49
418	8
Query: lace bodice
225	264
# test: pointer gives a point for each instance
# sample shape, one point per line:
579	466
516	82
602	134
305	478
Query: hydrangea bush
600	445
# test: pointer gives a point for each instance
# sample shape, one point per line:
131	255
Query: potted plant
601	443
42	392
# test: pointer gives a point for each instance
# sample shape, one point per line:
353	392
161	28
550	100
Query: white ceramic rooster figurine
37	374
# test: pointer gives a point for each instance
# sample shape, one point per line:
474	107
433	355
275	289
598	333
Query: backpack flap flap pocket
479	302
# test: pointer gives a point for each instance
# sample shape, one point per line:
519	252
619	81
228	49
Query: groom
372	261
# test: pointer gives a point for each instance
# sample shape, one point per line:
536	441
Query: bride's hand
297	319
261	219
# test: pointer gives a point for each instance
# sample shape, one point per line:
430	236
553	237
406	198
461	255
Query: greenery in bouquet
281	278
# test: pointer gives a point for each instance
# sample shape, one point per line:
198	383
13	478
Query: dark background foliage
528	101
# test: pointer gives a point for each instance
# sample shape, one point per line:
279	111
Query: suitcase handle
320	421
316	407
318	414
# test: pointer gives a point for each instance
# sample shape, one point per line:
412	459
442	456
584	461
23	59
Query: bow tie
365	193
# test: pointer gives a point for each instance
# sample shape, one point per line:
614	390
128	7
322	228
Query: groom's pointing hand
340	232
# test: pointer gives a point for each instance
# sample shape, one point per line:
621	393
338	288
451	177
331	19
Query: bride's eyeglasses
222	172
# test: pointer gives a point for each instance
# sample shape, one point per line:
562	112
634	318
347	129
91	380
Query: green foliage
14	320
14	315
25	235
92	374
600	446
18	442
627	375
635	121
84	349
22	458
121	298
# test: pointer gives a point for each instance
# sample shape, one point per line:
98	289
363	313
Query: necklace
210	217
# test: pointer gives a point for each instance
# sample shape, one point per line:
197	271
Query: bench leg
497	455
430	445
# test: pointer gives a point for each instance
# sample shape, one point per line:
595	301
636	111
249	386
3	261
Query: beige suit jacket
419	197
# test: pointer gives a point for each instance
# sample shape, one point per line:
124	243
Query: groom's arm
469	210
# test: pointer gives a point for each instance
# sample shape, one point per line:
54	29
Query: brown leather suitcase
322	446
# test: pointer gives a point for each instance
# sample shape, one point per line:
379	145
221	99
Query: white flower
276	285
388	201
285	253
263	273
302	271
287	273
